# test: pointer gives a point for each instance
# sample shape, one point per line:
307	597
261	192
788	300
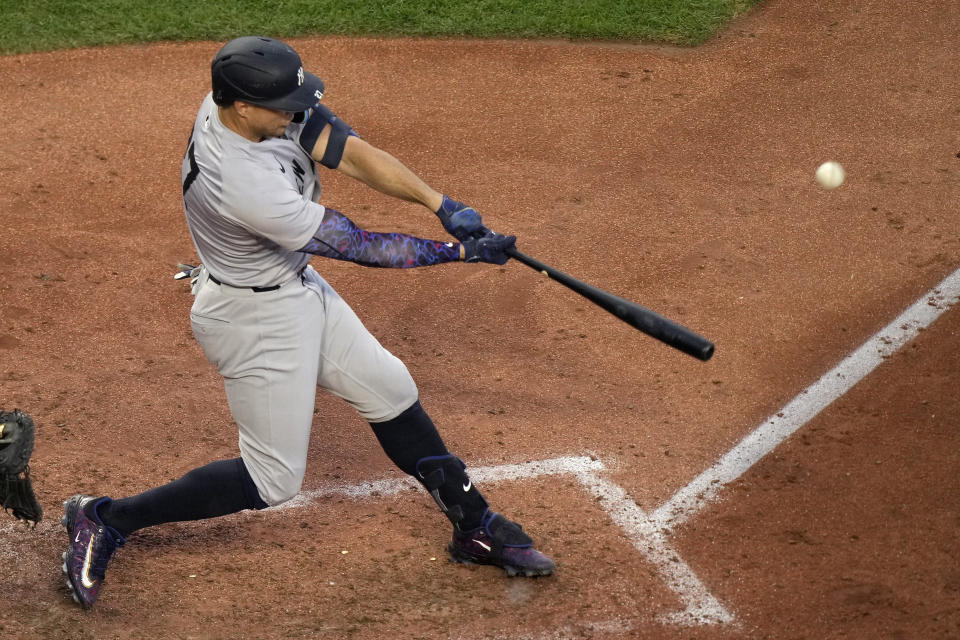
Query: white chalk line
580	629
648	532
389	486
832	385
700	607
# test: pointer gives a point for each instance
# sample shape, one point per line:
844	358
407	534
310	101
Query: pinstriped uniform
250	206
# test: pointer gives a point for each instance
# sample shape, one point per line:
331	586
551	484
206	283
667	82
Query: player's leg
480	535
266	351
357	368
264	346
213	490
98	526
269	367
412	442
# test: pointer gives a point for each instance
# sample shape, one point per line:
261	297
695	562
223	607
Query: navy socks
216	489
409	437
225	486
411	441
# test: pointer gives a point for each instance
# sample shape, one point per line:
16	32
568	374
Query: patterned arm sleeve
339	238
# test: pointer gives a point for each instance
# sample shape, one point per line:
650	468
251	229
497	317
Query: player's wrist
459	220
433	201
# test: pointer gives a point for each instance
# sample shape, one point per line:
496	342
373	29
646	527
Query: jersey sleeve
263	201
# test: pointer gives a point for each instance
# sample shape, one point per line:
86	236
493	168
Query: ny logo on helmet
300	77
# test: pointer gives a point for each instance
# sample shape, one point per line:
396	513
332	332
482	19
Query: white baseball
830	175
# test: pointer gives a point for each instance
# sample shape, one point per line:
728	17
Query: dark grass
40	25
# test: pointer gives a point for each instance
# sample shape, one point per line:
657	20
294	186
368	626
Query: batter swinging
276	330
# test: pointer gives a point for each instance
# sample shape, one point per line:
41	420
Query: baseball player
276	330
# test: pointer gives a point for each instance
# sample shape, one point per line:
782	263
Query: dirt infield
682	179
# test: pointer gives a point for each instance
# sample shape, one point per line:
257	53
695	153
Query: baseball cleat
502	543
92	545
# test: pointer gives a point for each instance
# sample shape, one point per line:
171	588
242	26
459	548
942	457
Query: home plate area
699	606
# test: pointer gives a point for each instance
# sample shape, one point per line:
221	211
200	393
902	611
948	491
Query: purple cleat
502	543
92	544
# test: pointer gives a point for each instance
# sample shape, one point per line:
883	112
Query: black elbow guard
339	132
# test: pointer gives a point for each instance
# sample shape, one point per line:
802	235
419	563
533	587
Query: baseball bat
651	323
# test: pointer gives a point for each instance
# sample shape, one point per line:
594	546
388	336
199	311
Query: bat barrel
638	317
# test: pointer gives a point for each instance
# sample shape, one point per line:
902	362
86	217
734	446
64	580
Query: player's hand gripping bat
652	324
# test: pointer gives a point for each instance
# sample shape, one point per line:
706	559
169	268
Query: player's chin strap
446	479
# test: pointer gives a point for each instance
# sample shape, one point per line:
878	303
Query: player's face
275	122
267	123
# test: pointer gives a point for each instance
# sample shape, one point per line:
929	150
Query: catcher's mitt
16	445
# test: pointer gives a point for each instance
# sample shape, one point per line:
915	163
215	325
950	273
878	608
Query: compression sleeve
339	238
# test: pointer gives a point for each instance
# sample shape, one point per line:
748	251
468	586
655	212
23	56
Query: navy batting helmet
264	72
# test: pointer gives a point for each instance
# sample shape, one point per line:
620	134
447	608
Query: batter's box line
648	532
706	487
699	605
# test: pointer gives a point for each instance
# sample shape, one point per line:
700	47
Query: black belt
255	289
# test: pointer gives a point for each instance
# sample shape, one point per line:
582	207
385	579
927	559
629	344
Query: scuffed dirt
679	179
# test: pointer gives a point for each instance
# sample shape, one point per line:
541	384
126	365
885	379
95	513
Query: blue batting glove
460	221
491	248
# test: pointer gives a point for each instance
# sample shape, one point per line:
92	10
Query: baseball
830	175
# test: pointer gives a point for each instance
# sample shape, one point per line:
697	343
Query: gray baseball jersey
271	325
249	206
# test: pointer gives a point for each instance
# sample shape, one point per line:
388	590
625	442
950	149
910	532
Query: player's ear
242	108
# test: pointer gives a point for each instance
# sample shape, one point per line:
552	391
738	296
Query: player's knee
405	393
397	393
281	486
281	492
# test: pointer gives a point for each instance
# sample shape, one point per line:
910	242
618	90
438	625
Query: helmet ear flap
223	96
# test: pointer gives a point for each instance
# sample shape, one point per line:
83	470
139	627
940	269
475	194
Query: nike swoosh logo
77	539
485	546
85	575
467	486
